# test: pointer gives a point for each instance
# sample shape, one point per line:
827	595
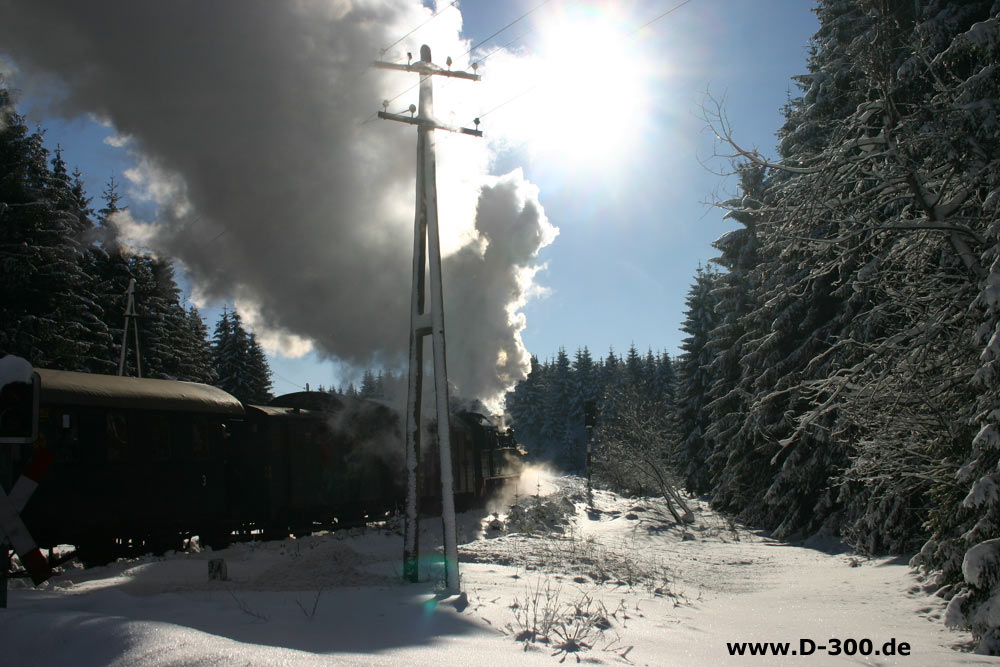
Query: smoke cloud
250	122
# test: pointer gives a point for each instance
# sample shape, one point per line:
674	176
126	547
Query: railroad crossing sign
19	392
10	516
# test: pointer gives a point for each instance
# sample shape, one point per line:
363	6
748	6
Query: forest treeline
840	373
553	407
65	271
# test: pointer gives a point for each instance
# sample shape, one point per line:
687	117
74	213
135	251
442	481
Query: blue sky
633	225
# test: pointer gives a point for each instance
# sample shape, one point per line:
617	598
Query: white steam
251	125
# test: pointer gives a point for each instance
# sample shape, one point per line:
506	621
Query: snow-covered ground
621	585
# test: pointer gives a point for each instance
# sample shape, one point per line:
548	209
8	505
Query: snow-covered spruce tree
612	372
585	394
556	437
649	373
865	237
368	382
258	372
240	363
965	545
44	316
727	404
611	376
791	316
635	372
87	326
700	320
224	353
382	380
784	459
908	402
109	265
165	322
898	173
526	404
196	350
664	382
168	345
586	378
97	330
958	48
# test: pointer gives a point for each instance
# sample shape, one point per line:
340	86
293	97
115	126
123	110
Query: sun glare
591	87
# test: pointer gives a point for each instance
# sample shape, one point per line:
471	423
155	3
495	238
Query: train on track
142	464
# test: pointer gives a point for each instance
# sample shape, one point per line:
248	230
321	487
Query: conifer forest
65	275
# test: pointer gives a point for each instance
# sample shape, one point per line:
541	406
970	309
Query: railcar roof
322	401
310	400
272	411
70	388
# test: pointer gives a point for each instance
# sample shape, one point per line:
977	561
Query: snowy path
687	599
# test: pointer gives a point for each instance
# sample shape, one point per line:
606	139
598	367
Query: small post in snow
589	420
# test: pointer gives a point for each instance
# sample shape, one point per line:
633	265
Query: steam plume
246	121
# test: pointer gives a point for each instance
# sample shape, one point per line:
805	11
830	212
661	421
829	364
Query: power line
480	61
421	80
503	104
654	20
389	101
383	51
433	16
527	13
294	384
501	48
525	92
372	117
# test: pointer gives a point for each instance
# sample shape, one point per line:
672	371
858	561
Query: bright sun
591	87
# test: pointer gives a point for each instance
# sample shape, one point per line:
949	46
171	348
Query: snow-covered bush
566	627
635	442
976	606
540	515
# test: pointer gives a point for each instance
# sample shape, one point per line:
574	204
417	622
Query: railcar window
302	434
61	429
158	437
206	437
199	440
116	432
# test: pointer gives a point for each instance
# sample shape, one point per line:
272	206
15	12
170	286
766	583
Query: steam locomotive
142	464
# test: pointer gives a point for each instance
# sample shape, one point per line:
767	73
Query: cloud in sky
117	140
247	122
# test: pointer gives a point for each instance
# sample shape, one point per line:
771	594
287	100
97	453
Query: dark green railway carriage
139	463
308	469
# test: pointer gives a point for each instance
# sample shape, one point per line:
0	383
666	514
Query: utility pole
130	317
422	323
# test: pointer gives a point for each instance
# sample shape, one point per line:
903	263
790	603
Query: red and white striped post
10	520
19	396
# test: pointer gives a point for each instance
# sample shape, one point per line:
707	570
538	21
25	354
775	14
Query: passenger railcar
315	460
140	464
137	462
